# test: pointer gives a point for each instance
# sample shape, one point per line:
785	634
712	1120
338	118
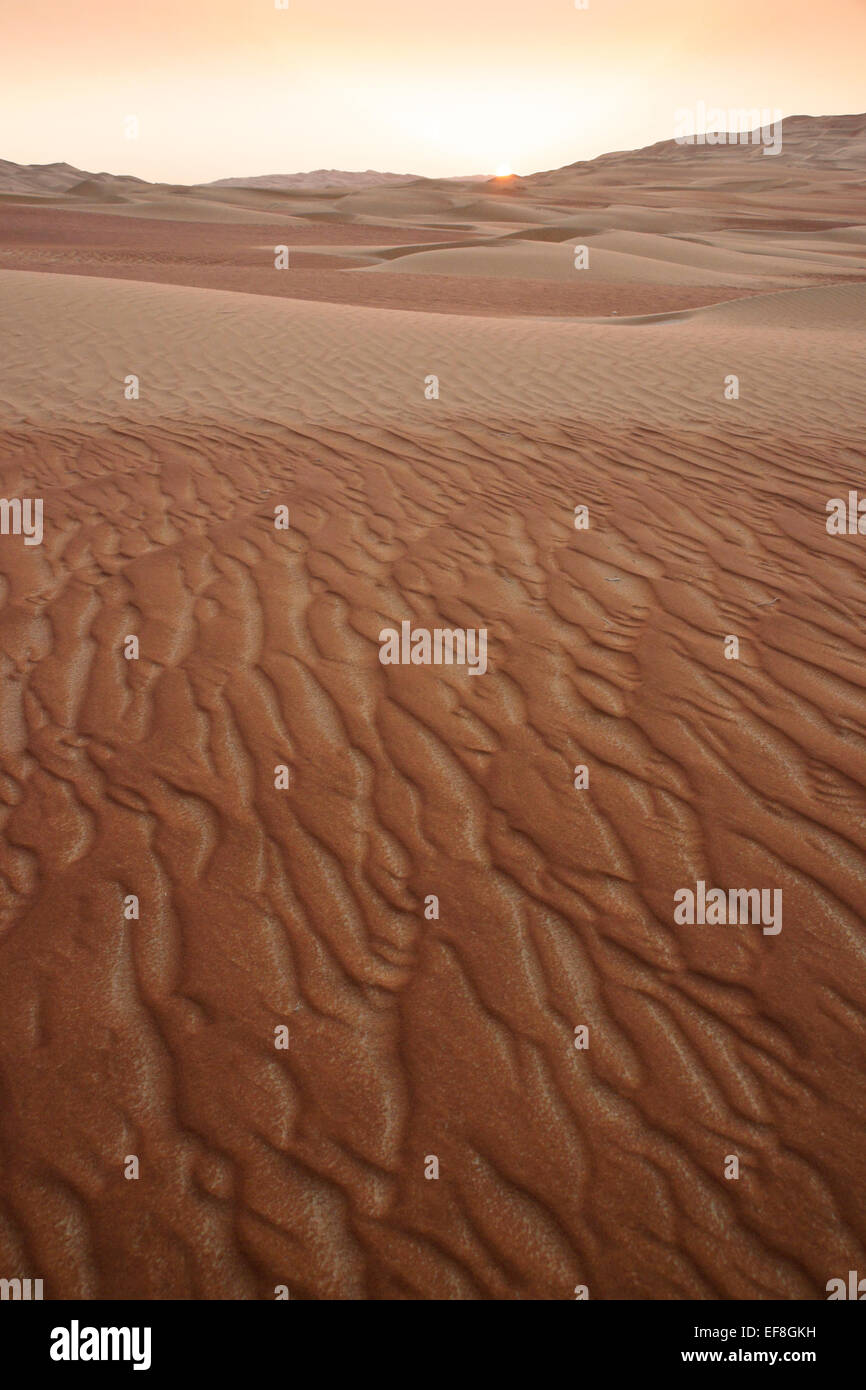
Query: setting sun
503	171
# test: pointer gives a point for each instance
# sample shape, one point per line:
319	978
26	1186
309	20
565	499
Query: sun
503	171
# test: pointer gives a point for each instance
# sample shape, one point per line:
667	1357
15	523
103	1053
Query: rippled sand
412	1036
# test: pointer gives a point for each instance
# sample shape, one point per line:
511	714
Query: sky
230	88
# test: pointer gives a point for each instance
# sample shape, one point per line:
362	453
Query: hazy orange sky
238	87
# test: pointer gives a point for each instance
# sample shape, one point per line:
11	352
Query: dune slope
414	1036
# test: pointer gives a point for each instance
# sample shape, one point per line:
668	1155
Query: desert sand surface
412	1036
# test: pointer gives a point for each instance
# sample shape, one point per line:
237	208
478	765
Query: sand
413	1036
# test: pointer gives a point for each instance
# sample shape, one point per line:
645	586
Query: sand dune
317	179
414	1036
225	347
482	268
632	256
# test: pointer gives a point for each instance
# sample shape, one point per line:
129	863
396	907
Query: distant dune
318	178
836	142
39	178
662	229
817	149
821	163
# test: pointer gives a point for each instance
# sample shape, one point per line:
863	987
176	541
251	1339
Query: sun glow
503	171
